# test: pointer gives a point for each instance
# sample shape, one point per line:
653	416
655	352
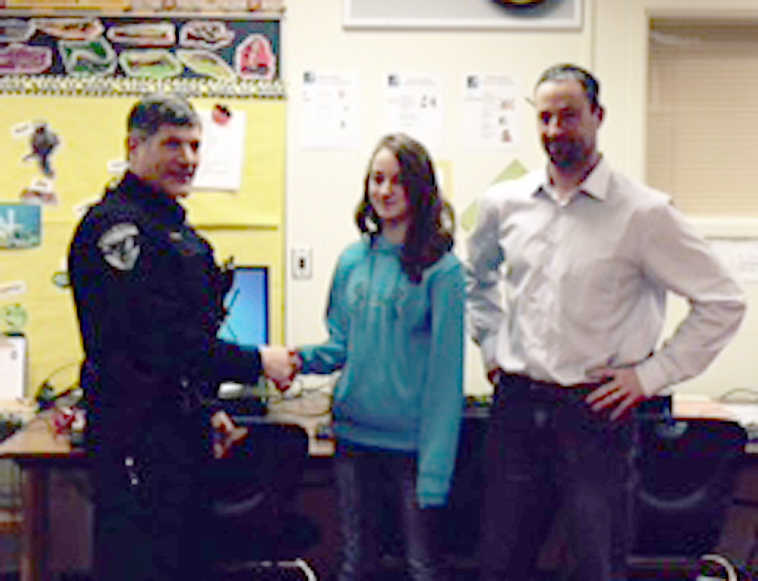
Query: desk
307	413
692	406
739	537
37	450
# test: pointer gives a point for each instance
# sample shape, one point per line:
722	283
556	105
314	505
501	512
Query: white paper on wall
739	254
12	366
221	151
329	115
489	119
413	105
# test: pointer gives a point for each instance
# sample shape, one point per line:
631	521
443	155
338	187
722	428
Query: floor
391	576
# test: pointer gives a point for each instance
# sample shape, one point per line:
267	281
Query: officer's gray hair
152	111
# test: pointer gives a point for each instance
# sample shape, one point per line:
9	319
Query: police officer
149	298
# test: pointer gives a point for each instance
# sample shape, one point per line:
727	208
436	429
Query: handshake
280	365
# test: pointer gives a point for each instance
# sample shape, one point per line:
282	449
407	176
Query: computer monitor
246	323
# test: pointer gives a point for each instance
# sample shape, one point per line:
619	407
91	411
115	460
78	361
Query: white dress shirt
585	282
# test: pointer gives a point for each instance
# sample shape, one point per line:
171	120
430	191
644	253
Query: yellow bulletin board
246	224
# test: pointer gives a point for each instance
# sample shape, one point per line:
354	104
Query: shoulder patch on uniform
119	245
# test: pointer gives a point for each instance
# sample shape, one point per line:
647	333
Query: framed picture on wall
478	14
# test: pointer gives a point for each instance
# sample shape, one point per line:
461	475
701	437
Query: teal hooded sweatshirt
400	348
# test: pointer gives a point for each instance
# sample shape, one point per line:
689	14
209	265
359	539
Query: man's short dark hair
152	111
565	71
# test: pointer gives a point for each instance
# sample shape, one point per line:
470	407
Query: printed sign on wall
20	225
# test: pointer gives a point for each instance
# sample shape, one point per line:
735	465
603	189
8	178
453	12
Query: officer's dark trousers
148	517
161	527
545	449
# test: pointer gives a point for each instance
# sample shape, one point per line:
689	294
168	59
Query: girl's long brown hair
432	223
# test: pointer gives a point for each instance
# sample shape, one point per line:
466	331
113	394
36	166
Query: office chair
687	470
257	535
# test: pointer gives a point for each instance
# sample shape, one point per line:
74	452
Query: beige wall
323	186
620	59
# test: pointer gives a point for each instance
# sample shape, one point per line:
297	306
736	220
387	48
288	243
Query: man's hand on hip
621	393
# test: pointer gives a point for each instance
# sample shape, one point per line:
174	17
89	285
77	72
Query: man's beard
567	153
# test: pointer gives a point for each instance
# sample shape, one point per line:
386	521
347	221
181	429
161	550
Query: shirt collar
380	242
595	185
157	203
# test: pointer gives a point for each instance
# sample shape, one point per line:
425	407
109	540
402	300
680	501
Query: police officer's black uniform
149	297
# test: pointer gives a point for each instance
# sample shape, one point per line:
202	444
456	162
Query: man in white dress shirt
586	256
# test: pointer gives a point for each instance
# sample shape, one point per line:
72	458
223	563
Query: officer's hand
622	392
226	433
280	365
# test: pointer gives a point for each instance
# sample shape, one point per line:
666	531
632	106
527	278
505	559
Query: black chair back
687	470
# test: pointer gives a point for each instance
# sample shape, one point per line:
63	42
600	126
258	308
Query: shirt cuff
431	500
652	376
306	356
430	492
489	352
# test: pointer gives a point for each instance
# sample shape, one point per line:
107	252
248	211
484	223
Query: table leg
35	530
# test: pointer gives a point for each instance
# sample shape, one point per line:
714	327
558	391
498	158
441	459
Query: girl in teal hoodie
395	321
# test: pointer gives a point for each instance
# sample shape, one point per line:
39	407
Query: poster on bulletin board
20	225
140	47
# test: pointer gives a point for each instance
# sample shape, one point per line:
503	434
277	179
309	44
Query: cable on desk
47	392
299	391
739	395
731	572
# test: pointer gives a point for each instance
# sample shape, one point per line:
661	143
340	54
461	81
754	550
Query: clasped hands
280	365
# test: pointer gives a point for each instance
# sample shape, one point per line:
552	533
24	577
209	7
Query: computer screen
246	323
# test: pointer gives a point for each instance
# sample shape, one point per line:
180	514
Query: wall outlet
302	262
